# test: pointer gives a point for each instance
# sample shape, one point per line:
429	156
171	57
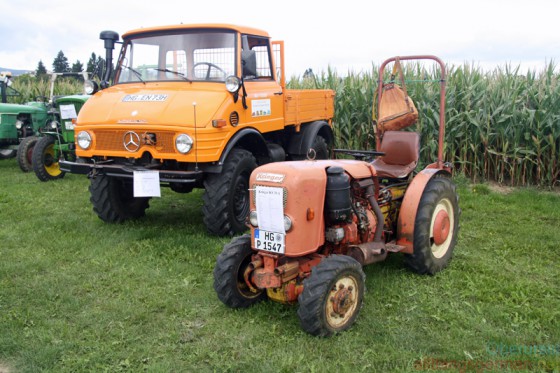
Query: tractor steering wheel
210	66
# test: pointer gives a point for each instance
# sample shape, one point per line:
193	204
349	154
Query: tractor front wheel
45	161
25	153
332	296
436	227
7	153
113	199
226	195
229	282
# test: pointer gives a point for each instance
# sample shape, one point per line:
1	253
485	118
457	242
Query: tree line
60	64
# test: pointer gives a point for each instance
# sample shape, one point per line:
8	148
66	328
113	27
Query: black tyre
25	153
113	199
332	296
226	196
7	153
319	150
45	161
229	284
436	227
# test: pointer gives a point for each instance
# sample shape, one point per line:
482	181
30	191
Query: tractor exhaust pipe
374	251
110	38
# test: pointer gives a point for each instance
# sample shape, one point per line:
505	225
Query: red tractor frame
314	224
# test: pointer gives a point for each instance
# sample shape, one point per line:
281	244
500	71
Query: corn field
500	125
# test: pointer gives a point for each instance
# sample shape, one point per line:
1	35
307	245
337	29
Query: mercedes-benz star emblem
131	141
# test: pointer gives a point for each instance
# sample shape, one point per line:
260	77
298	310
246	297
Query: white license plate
270	241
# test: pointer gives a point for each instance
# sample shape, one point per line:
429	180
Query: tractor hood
169	104
30	108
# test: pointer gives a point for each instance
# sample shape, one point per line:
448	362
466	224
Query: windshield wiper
138	75
174	72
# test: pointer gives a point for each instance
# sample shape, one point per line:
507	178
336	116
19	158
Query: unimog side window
191	55
256	58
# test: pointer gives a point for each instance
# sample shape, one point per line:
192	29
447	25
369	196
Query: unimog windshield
191	55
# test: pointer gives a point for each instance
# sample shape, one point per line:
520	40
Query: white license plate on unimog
270	241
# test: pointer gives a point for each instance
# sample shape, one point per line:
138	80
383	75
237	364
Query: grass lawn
77	294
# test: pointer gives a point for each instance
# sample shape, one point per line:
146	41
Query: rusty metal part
287	271
368	253
249	270
440	164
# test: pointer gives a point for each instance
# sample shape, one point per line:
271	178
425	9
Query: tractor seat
402	150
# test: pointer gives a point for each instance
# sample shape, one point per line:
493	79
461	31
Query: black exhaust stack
110	38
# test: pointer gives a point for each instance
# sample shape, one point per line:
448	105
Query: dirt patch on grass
4	368
502	189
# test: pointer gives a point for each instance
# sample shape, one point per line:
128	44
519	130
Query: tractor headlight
287	223
84	140
90	87
253	219
232	84
183	143
54	124
19	124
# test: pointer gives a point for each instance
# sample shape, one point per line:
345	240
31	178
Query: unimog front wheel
25	153
229	282
332	296
45	162
113	199
226	195
436	227
7	153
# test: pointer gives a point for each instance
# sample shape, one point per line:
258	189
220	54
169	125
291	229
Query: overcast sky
344	34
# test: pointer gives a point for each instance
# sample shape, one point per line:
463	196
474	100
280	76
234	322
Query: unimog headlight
84	140
90	87
183	143
232	84
19	124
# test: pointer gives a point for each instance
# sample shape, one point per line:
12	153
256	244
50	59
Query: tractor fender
301	141
409	207
249	139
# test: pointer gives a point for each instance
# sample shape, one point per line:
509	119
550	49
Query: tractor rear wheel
436	227
113	199
229	281
7	153
45	162
226	195
332	296
25	153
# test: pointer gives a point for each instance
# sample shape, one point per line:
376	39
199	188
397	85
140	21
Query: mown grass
77	294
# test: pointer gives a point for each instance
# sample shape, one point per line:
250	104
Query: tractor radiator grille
284	194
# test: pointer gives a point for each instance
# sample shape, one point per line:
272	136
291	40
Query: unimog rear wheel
319	150
229	282
45	162
7	153
436	227
113	199
332	296
25	153
226	195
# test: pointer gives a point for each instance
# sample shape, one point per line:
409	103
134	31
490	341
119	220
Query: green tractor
46	126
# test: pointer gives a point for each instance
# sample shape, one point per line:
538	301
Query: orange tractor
315	223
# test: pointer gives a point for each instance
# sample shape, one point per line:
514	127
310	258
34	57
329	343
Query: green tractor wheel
7	153
45	160
25	153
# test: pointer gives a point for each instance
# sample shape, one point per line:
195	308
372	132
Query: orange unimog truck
193	106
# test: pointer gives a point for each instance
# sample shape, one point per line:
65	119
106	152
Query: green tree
41	69
60	63
77	67
91	63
